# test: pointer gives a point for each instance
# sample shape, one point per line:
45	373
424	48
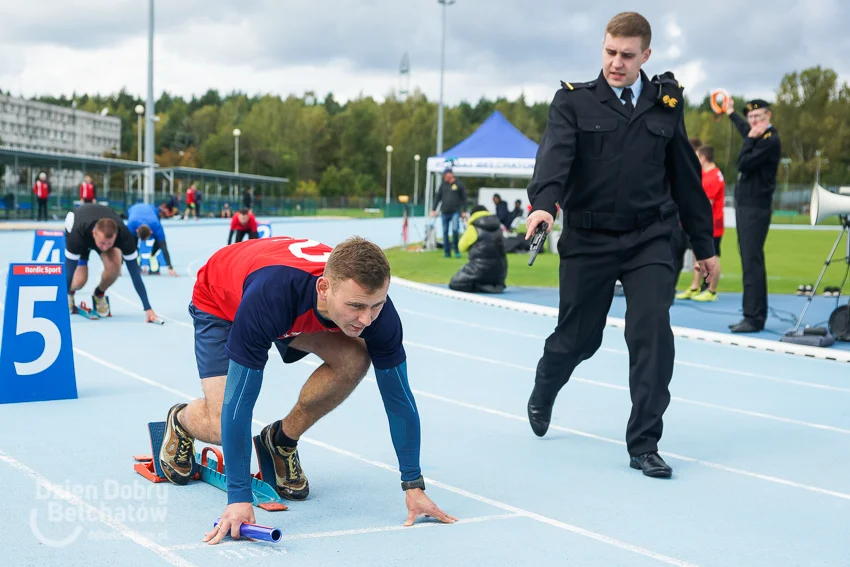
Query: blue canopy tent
495	149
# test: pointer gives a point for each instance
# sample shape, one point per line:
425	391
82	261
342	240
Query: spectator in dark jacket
248	199
502	212
452	196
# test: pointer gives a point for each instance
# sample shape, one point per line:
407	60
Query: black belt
615	221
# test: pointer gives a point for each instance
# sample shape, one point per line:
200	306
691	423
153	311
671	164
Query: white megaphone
826	203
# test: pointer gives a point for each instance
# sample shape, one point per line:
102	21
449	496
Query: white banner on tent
475	167
485	167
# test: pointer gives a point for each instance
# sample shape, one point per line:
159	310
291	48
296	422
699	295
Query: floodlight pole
149	114
416	159
446	4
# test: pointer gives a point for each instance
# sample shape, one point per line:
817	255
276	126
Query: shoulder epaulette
667	79
575	86
670	91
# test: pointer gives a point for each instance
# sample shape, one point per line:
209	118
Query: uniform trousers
591	261
752	224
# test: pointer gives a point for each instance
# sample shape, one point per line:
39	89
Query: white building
47	127
42	127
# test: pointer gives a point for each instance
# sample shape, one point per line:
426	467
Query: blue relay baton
261	533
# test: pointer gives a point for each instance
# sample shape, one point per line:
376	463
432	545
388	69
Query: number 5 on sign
36	353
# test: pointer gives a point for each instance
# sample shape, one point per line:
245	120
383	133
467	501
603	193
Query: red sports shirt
267	288
251	226
715	188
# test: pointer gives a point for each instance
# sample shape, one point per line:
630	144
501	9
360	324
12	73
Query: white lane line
595	437
339	533
394	469
160	315
749	413
760	415
607	349
714	337
93	512
626	353
189	271
470	324
710	464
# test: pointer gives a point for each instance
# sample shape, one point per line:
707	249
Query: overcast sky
493	47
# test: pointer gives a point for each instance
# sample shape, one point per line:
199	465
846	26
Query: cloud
348	47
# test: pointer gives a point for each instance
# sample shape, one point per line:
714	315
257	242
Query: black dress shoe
652	465
539	416
747	326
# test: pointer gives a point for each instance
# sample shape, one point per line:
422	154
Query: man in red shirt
42	192
243	224
715	189
87	191
190	203
301	297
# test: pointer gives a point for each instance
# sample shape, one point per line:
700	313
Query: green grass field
350	212
793	257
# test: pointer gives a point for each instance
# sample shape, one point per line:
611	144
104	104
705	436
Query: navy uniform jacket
612	172
758	162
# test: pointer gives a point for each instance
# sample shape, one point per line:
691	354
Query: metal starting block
210	469
89	312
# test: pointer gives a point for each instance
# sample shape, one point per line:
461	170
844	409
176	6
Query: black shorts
241	234
717	240
211	334
84	257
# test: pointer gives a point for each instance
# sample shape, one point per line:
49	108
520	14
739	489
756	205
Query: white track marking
759	415
726	339
713	368
595	437
339	533
92	511
394	469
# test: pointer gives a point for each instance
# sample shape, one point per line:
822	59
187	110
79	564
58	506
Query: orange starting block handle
219	458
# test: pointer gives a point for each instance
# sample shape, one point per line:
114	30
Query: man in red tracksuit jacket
42	192
87	194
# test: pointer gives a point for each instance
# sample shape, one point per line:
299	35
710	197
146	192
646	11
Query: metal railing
20	203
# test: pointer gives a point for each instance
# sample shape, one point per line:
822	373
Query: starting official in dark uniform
758	162
616	156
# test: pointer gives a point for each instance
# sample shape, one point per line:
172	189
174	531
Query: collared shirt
636	87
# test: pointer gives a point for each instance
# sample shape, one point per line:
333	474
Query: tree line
333	149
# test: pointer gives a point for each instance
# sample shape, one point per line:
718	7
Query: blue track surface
758	442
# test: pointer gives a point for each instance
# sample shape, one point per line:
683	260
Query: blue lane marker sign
264	230
49	246
150	265
36	352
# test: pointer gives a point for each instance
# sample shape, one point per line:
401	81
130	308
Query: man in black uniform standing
758	162
616	156
99	228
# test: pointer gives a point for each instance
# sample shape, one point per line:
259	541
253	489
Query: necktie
626	97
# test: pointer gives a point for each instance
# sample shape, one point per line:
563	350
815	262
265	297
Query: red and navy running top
267	289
